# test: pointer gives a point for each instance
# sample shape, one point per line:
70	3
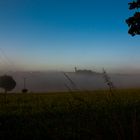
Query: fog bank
56	81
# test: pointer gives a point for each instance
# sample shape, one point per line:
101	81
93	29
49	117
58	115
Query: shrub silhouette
7	83
24	90
134	21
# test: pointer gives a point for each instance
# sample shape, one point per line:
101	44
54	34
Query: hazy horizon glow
60	34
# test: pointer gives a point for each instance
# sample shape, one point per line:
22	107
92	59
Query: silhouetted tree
134	21
7	83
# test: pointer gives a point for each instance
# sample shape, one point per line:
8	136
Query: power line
6	58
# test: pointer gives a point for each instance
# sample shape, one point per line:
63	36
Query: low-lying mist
57	82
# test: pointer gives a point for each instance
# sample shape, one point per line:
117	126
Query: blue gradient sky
61	34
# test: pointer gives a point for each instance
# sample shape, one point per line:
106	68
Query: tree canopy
134	21
7	83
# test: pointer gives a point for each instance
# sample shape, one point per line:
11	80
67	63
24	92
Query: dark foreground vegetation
76	116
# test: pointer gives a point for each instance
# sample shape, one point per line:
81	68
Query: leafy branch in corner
134	21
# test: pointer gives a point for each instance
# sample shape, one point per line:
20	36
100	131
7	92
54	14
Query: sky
40	35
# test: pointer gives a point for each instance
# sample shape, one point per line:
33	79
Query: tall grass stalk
112	99
72	91
74	86
109	83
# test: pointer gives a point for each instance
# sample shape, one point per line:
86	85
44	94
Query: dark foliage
134	21
58	116
7	83
134	5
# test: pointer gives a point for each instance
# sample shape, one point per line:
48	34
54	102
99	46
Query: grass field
84	115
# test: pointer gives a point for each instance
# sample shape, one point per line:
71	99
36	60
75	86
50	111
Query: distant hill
85	71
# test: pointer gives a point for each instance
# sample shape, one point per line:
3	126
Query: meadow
94	115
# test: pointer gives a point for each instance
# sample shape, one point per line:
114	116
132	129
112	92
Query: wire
7	60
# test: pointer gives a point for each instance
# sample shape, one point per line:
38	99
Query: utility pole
24	90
